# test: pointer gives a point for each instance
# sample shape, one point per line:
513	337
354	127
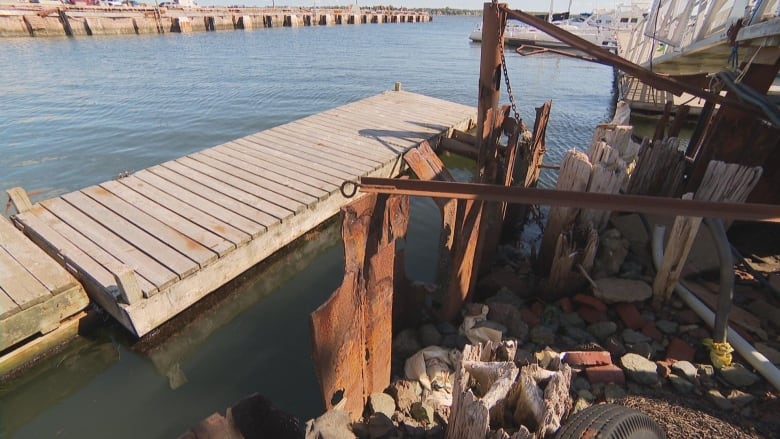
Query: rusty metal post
493	23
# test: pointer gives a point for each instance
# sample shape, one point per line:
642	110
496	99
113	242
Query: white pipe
748	352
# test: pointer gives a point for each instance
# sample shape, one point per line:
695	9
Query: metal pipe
726	295
745	349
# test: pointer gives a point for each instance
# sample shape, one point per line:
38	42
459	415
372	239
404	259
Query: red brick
588	358
566	305
651	331
605	374
537	308
687	317
629	314
591	301
529	317
679	350
592	315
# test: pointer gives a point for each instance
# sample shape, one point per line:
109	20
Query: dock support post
19	199
398	86
126	282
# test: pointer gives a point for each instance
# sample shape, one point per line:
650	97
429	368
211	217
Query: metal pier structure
149	245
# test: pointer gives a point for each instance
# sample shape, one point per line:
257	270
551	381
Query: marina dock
148	245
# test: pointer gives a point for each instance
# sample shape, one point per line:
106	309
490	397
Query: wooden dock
149	245
36	293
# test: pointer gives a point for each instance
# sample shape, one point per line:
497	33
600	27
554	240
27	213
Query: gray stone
644	349
684	369
422	412
614	346
616	290
647	315
580	405
706	370
738	376
586	395
581	383
492	325
719	400
405	393
506	296
739	398
613	392
333	424
429	335
771	354
446	328
509	316
667	327
381	403
602	330
579	335
542	335
764	310
379	425
613	249
406	343
631	227
681	384
639	369
449	341
630	336
572	319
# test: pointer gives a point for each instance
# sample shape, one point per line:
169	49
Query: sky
528	5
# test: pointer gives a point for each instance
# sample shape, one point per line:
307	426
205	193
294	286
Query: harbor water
76	112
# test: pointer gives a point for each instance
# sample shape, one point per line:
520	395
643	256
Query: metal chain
506	74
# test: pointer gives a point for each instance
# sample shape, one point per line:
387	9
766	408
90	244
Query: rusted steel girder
583	200
606	57
352	330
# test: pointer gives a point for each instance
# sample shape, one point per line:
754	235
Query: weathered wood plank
289	181
23	288
204	176
167	233
336	138
34	260
7	305
159	275
190	227
255	164
267	148
287	196
314	145
167	192
139	238
247	211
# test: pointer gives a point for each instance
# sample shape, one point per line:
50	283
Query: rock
381	403
652	331
578	335
405	393
333	424
406	343
509	317
739	398
631	337
630	316
379	425
738	376
586	395
615	290
771	354
614	346
429	335
644	349
602	330
668	327
764	310
446	328
524	357
613	249
631	227
257	416
706	370
639	369
685	369
681	384
613	392
605	374
572	319
542	335
580	383
719	400
580	405
590	301
449	341
592	315
422	412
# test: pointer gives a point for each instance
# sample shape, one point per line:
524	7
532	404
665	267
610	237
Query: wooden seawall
151	244
62	20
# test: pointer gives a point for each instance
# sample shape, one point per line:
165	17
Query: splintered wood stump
574	176
571	253
660	169
606	178
722	182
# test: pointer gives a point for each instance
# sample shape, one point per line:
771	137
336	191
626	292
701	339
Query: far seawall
59	20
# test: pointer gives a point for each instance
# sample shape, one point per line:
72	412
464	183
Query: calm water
75	112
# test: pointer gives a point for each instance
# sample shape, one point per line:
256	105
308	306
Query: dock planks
36	293
184	228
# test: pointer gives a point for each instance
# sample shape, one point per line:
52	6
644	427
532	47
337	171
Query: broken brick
566	305
591	301
630	316
651	331
592	315
679	350
605	374
529	317
588	358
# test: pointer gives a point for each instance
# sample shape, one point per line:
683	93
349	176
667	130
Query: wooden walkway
36	293
149	245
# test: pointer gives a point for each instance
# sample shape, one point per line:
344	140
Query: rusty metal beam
584	200
604	56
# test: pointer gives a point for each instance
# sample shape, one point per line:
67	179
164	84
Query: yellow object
720	353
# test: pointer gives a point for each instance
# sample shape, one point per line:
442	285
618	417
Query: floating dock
36	293
151	244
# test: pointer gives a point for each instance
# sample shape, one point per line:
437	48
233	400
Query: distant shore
60	20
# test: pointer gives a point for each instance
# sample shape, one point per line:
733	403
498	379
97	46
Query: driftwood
565	275
607	178
574	176
722	182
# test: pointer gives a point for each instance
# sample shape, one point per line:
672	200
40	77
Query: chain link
506	73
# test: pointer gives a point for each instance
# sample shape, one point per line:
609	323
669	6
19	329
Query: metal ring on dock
343	188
